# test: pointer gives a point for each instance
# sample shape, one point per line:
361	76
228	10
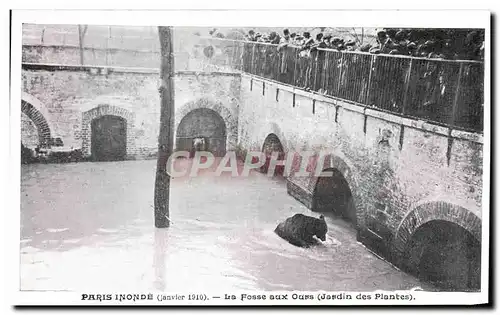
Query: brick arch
269	138
436	210
273	128
103	110
230	120
34	109
332	161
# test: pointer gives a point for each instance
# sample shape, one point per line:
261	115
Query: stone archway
333	195
202	123
109	111
339	191
441	243
273	144
230	121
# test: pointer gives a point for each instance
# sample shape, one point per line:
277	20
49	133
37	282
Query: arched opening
445	254
273	144
34	124
206	124
333	195
29	132
109	138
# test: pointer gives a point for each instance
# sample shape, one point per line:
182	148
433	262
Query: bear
300	229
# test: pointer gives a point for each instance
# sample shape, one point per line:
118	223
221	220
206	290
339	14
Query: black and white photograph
169	161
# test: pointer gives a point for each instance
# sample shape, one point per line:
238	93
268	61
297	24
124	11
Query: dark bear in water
300	229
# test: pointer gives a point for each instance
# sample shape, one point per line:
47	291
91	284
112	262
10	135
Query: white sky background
222	18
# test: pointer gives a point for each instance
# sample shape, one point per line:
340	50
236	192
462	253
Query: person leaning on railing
251	36
285	39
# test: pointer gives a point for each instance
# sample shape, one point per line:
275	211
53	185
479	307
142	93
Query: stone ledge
90	68
106	70
423	125
351	107
466	135
299	193
55	46
207	73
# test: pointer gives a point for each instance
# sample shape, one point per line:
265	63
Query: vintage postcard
211	158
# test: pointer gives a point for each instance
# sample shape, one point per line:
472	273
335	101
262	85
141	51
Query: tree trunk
165	138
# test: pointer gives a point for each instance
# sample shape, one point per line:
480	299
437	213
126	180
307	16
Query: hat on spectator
391	32
306	34
381	33
350	43
286	31
328	36
429	43
336	40
400	35
375	50
293	35
411	45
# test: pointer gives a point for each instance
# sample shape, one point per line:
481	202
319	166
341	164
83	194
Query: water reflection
160	246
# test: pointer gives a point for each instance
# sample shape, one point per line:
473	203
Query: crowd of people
457	44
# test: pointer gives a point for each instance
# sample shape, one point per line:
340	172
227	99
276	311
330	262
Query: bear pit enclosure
221	237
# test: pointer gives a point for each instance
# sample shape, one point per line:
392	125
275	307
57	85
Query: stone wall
397	168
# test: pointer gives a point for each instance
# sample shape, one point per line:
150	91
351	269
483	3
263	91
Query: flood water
90	226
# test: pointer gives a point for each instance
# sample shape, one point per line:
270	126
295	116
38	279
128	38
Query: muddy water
89	226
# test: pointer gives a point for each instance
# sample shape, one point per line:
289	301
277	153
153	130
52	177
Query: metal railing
447	92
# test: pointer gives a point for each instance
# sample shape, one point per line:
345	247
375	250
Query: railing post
252	64
326	77
295	65
313	87
369	87
264	63
457	95
340	73
233	56
407	87
241	54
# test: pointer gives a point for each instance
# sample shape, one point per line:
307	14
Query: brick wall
70	98
29	132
